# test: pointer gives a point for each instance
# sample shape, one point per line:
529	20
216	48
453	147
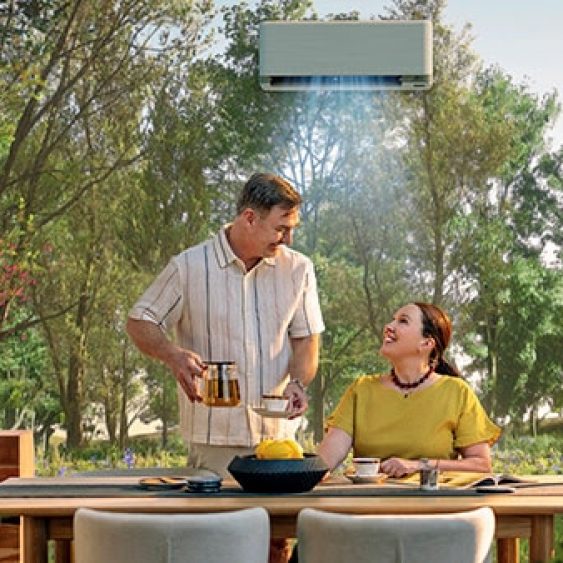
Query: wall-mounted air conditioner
347	55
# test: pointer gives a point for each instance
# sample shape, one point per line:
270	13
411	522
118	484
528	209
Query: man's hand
298	401
184	364
302	367
187	367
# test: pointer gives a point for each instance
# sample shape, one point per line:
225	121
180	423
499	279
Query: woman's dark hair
263	191
437	325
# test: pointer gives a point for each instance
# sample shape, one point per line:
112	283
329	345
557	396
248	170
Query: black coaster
204	483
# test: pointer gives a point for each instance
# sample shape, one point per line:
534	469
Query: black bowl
277	475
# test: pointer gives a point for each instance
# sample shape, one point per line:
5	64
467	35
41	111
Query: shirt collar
225	254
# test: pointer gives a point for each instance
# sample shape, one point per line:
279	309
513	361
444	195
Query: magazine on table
495	480
468	480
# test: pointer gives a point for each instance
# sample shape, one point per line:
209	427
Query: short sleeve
343	416
162	302
307	319
474	426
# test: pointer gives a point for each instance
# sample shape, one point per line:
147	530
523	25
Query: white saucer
262	411
358	480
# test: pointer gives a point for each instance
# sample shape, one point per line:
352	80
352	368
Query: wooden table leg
34	545
541	540
508	550
62	551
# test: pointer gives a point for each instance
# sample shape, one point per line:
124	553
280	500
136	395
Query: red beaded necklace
414	384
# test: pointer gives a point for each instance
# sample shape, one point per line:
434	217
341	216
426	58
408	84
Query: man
241	296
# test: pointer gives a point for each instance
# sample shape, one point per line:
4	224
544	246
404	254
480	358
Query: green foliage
163	402
529	456
27	392
517	318
77	81
100	456
525	455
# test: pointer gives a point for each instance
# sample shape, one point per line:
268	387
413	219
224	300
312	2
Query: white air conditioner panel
379	54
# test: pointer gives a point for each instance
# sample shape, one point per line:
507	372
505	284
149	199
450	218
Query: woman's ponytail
437	325
445	368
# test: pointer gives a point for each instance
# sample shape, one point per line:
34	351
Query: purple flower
61	472
129	458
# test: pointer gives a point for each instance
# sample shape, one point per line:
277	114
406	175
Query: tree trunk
76	366
317	402
73	412
534	421
111	422
123	426
491	401
164	417
439	276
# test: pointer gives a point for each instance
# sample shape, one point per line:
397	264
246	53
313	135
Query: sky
523	37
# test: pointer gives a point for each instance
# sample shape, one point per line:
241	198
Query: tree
80	121
82	64
520	342
454	144
162	398
27	387
511	223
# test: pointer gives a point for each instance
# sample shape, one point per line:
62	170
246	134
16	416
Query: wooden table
528	515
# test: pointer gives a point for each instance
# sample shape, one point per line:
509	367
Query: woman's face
403	335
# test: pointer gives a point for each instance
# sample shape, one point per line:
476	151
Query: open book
495	480
467	480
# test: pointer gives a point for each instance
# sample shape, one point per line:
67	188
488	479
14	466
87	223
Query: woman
420	409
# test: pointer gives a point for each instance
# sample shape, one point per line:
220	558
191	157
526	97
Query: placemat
122	490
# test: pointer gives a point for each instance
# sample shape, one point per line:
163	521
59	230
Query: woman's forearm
473	458
477	464
334	447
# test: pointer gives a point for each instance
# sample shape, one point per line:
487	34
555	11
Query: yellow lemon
278	449
262	448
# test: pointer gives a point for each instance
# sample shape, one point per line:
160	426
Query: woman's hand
399	467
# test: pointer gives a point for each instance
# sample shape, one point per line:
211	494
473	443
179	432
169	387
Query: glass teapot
220	385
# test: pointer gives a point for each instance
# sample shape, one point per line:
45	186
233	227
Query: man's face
273	229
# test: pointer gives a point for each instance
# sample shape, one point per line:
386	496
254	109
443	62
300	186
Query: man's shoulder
294	256
194	252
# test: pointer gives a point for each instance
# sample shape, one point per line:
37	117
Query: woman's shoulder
364	381
456	385
453	381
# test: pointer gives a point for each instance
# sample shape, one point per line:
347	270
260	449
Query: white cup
274	403
366	466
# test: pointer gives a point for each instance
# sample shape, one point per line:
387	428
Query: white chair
112	537
461	537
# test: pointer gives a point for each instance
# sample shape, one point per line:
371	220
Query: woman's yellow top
433	422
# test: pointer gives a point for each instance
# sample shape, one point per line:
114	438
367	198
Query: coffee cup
274	403
366	466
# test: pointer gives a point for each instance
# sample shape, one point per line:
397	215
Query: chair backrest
112	537
463	537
